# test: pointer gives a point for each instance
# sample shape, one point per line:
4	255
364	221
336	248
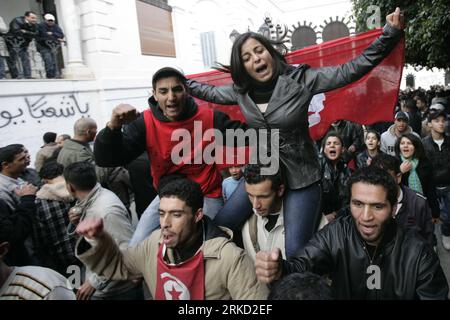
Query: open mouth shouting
371	145
333	148
172	110
261	69
332	154
263	72
407	152
368	231
168	238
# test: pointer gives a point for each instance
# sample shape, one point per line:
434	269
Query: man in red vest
172	113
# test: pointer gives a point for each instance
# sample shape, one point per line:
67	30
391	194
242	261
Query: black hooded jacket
18	27
334	185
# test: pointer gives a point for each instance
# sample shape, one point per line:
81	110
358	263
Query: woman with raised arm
275	95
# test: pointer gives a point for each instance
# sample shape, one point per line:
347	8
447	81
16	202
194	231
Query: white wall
111	49
30	108
111	44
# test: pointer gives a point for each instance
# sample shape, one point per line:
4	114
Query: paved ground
444	256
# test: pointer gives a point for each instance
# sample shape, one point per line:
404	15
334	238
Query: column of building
74	66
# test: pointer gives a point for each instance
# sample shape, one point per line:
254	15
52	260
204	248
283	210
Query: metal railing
37	64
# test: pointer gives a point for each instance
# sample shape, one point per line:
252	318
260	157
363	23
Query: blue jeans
444	201
13	60
149	221
49	61
301	209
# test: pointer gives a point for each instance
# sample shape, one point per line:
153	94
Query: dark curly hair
165	180
386	162
8	153
252	175
81	175
375	132
378	177
185	190
51	170
333	134
301	286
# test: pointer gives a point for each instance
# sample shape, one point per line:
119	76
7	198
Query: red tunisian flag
370	99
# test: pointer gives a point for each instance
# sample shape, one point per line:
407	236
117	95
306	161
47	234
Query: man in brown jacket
188	259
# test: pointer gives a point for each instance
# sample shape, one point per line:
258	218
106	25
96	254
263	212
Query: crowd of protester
41	207
243	232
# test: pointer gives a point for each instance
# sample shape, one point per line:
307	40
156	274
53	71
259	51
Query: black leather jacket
361	159
334	185
415	213
18	24
287	110
410	269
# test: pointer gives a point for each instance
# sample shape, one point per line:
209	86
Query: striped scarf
413	179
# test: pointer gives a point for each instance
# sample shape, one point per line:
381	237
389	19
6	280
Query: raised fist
91	228
396	19
122	114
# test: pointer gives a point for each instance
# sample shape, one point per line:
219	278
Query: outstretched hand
396	19
91	228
